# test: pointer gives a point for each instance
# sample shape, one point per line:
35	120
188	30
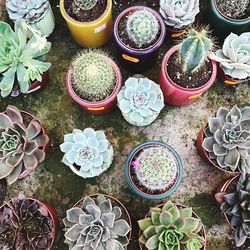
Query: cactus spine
86	4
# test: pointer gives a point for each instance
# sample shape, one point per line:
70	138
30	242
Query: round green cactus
93	76
142	28
86	4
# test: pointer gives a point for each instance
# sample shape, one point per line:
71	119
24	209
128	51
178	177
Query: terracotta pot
203	232
175	94
204	155
138	60
35	86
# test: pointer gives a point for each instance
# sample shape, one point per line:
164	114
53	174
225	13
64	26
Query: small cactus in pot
86	4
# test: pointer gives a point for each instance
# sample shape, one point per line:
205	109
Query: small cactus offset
86	4
195	49
93	76
142	28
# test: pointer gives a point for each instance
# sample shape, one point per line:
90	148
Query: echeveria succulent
234	57
88	153
140	101
96	224
227	138
22	60
25	224
179	13
21	144
171	227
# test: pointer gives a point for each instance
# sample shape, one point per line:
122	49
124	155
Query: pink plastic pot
101	107
175	94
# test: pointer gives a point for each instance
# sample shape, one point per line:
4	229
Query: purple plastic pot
138	60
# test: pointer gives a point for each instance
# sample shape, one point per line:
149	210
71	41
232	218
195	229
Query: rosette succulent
21	60
25	224
179	13
171	227
88	153
140	101
21	144
86	4
142	28
234	57
236	205
227	138
26	9
96	224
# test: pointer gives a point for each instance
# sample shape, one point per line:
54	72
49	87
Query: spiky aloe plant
171	227
86	4
195	49
93	76
142	28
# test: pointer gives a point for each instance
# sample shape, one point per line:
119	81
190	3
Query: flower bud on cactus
86	4
93	76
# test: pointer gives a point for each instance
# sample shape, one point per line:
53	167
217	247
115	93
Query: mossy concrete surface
56	184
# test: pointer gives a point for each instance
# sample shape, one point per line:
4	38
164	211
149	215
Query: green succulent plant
93	76
195	49
21	60
86	4
96	225
142	28
171	227
227	138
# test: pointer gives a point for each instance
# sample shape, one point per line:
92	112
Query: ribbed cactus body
86	4
93	76
194	50
142	28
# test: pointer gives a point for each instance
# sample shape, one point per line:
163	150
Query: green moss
215	243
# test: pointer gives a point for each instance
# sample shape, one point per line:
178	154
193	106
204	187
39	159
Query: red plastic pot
177	95
101	107
138	60
204	155
35	85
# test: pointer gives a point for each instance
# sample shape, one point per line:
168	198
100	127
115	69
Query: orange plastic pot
176	34
90	34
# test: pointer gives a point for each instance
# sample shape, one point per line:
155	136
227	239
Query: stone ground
56	184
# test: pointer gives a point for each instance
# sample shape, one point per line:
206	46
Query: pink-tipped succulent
25	224
21	145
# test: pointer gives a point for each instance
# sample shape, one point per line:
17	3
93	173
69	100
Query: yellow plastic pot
90	34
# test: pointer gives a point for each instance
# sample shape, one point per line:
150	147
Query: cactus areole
153	170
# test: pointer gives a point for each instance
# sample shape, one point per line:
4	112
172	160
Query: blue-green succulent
88	153
140	101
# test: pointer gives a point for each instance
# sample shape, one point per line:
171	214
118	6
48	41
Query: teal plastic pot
223	25
134	184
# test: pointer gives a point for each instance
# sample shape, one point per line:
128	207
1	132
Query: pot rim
169	80
139	191
104	102
49	212
182	206
117	201
245	20
85	24
150	49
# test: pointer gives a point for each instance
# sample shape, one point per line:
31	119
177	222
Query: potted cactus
27	223
98	222
233	196
139	32
140	100
88	153
23	144
178	15
186	70
22	65
225	141
153	170
234	59
36	13
93	81
170	226
89	21
229	16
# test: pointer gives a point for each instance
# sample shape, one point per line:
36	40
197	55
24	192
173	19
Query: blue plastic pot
141	192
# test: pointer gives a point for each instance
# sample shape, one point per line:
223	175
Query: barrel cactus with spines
179	13
93	76
86	4
142	28
195	49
